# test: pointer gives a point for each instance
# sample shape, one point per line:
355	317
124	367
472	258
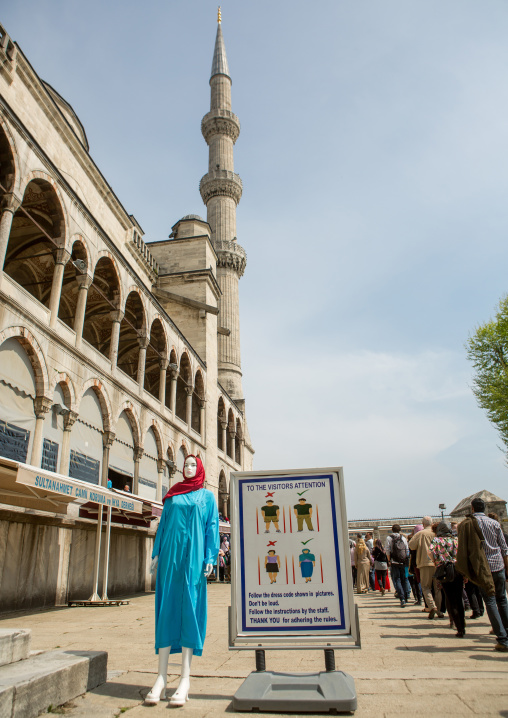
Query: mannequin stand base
108	602
297	692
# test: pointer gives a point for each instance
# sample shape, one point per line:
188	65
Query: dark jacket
471	559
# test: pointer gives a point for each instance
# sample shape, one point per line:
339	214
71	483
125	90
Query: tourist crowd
445	567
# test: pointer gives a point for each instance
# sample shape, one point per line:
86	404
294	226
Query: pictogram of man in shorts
303	512
271	515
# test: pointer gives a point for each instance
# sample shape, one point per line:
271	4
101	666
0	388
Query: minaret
221	190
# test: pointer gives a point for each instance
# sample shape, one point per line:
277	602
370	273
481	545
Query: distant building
492	504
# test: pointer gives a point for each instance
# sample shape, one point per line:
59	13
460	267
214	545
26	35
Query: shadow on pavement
121	690
454	649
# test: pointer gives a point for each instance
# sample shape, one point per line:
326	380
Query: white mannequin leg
182	692
159	687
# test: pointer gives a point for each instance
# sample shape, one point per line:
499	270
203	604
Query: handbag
445	572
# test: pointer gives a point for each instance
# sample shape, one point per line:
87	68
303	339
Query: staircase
31	682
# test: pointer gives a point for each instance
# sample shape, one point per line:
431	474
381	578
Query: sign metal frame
245	639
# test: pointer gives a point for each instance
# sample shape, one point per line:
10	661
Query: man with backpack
397	551
421	543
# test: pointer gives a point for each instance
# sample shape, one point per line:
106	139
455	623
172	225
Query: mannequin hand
208	569
153	565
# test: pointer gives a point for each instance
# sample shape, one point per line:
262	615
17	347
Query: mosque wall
102	376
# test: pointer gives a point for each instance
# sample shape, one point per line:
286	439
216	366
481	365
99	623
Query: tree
487	349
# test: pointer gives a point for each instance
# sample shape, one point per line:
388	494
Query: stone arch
132	332
128	408
77	266
9	168
238	438
64	380
221	419
156	353
43	177
36	237
172	367
102	396
158	437
198	397
183	383
223	498
230	433
102	302
35	354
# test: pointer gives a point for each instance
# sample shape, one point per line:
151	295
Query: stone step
30	686
14	645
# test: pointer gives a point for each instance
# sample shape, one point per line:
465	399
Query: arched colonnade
87	294
50	423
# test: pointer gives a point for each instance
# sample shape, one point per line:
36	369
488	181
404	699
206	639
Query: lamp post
443	508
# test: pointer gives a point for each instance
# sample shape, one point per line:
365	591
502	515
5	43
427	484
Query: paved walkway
408	665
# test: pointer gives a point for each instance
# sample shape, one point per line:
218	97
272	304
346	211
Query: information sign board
75	490
291	570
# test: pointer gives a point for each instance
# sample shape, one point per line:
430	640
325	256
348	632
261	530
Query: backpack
398	554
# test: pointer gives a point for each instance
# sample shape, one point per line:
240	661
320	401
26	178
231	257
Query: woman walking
443	550
380	565
362	562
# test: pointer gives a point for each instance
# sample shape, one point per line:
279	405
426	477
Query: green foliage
487	349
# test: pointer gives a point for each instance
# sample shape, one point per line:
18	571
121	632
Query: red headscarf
188	485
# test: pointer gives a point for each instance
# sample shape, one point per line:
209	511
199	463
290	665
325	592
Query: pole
107	547
95	596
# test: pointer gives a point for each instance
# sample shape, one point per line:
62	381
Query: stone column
242	449
10	204
61	259
84	282
171	472
138	453
41	407
116	318
172	391
163	366
188	406
160	478
225	505
232	435
143	343
69	419
202	407
108	438
224	427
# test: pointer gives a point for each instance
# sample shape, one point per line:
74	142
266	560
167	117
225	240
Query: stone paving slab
404	660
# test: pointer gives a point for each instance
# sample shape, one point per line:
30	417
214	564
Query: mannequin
185	550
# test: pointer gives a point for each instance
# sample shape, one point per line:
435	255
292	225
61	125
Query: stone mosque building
117	357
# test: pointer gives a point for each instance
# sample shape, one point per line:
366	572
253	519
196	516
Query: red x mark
269	494
271	543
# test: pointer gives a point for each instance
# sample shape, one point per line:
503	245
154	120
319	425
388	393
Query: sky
374	160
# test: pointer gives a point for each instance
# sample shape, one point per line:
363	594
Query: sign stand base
322	692
297	692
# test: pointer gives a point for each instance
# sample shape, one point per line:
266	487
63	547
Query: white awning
22	483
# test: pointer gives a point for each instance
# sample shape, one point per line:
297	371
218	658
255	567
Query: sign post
292	586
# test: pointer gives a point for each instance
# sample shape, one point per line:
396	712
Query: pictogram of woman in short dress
272	565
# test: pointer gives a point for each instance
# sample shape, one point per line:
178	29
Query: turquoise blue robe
186	540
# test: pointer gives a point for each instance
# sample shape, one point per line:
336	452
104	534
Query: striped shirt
495	545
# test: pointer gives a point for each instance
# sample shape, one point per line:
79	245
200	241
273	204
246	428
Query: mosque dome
69	115
193	216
